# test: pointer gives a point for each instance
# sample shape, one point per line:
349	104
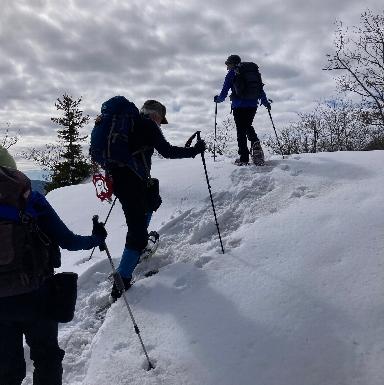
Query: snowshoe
239	162
153	244
257	154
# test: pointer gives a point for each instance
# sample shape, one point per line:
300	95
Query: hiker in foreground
244	80
127	158
30	306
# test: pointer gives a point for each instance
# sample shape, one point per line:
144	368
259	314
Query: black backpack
25	252
247	83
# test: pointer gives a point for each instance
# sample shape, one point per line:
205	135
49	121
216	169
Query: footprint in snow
296	172
202	261
233	243
285	167
180	283
303	191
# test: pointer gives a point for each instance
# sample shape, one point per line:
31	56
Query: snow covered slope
297	298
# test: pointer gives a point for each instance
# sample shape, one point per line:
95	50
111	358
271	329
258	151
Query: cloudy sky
170	50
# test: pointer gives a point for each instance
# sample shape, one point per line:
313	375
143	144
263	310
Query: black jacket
148	136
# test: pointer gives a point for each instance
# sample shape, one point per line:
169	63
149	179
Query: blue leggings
130	257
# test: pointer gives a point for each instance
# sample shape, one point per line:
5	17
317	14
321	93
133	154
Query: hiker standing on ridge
131	186
30	235
247	89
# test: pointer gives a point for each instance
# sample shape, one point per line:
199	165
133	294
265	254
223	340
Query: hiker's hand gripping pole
188	144
105	222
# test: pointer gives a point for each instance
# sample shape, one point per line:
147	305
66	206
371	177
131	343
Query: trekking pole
214	142
105	222
120	286
277	138
188	144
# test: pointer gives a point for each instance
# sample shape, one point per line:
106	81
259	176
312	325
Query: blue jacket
51	224
31	306
237	102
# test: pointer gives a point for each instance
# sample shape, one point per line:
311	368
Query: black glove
199	146
266	103
99	231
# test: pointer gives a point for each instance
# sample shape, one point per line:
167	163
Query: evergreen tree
73	166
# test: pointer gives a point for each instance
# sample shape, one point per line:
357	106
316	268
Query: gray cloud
170	50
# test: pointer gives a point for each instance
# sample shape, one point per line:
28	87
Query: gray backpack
25	260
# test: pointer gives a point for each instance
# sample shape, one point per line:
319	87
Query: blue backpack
111	134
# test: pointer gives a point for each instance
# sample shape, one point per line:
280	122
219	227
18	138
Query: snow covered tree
359	55
336	125
7	139
73	167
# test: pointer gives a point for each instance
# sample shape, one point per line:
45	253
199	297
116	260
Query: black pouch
153	194
62	297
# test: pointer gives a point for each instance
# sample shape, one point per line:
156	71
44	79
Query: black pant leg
12	363
47	357
241	130
131	192
249	115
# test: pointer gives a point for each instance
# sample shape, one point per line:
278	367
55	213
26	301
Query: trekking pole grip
95	219
189	141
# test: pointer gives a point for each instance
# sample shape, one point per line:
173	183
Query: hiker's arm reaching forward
172	152
51	224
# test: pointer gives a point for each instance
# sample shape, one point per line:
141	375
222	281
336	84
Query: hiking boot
116	293
239	162
257	154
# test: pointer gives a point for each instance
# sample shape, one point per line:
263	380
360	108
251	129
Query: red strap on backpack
103	185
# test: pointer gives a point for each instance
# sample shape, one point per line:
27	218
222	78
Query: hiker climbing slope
244	79
128	160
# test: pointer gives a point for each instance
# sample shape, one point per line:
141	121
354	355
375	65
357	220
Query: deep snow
297	298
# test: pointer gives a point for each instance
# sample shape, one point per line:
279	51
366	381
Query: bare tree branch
359	55
7	139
